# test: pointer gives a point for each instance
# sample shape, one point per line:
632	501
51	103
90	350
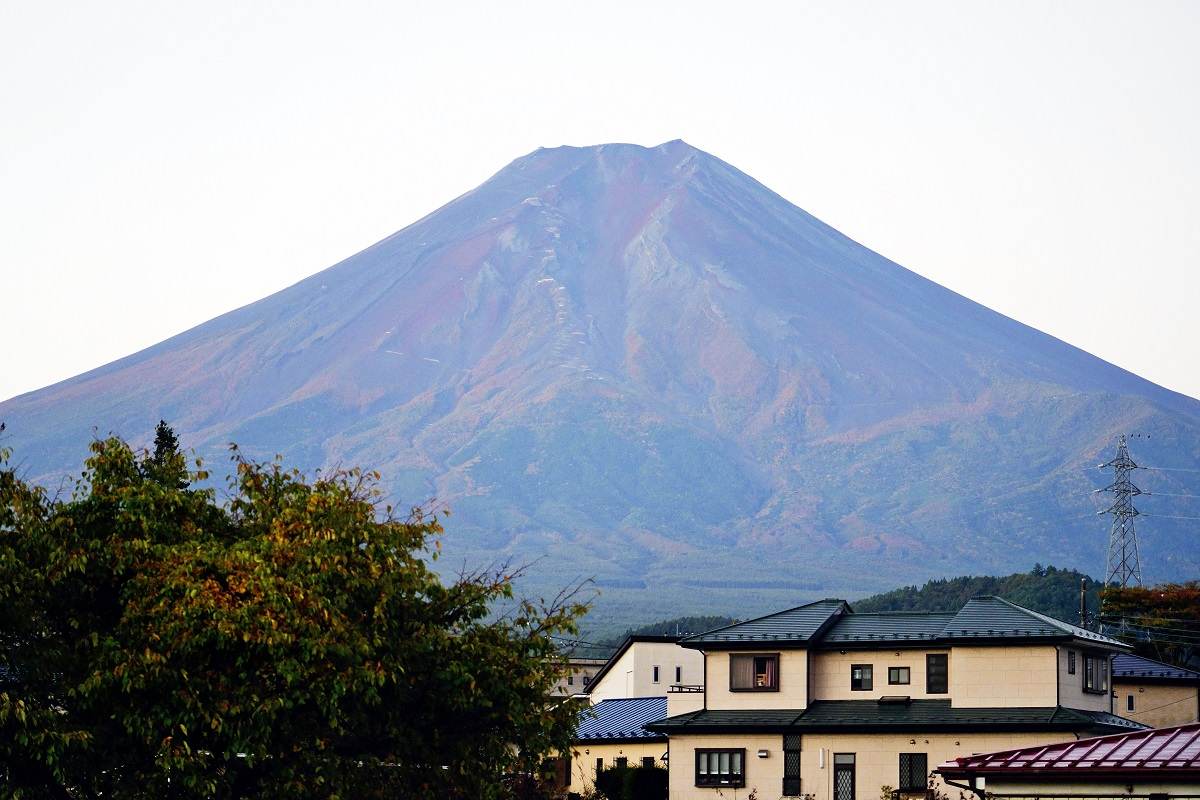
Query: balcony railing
684	687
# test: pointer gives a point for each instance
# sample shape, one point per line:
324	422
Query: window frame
655	673
945	659
735	781
621	762
866	680
1096	677
1070	662
647	762
678	674
774	656
1129	703
907	676
913	788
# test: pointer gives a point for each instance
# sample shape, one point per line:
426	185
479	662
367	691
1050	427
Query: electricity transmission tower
1124	564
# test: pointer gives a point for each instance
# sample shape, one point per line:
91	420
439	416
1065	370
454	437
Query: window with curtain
754	673
1095	673
725	767
898	675
862	677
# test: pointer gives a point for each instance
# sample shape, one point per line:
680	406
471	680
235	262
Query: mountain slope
648	367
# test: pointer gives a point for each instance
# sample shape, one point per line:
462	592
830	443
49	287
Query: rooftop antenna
1124	564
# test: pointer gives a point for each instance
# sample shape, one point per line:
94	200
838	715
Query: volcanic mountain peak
646	365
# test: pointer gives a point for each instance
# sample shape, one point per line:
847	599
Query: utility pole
1083	615
1124	563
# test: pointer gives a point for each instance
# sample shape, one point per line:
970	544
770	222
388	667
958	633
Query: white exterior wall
1070	687
633	674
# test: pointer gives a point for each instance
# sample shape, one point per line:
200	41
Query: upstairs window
720	768
937	673
1095	673
861	677
570	680
679	674
654	676
914	772
1129	703
898	676
1070	662
754	673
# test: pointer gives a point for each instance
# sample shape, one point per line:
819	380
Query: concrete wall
793	683
831	674
583	759
1157	705
1070	687
877	759
996	677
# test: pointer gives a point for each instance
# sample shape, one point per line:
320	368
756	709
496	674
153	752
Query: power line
1166	516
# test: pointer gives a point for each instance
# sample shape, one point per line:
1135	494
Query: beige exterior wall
831	674
633	674
583	759
765	774
684	702
1070	687
877	759
998	677
1158	705
793	683
1007	785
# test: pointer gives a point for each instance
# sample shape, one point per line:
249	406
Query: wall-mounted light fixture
912	741
764	753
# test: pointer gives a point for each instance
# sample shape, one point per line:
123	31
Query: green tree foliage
291	643
1049	590
166	464
1162	622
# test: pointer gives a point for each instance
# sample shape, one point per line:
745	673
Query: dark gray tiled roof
1127	665
899	626
621	719
917	715
796	625
832	623
996	618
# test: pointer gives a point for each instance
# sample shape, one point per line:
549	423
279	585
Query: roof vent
895	699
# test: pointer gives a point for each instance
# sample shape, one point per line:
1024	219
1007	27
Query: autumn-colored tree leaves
292	641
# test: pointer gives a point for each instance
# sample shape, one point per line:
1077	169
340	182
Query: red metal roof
1176	749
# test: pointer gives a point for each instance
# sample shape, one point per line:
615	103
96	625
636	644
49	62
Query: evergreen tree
166	465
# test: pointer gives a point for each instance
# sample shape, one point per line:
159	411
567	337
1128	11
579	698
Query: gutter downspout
704	675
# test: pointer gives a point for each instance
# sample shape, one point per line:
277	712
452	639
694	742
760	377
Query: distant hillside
1049	590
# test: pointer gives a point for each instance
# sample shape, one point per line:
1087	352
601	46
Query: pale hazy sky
163	162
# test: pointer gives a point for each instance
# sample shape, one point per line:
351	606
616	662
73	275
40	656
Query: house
646	666
1154	693
612	733
821	701
578	675
1153	764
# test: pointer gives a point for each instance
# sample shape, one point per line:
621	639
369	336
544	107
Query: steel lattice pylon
1124	563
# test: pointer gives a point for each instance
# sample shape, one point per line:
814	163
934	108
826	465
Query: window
599	766
1070	662
1095	673
1129	703
570	680
861	677
654	669
749	673
898	675
914	772
720	768
622	762
647	761
937	673
587	679
791	764
678	674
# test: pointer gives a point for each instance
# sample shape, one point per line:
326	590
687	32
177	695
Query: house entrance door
843	776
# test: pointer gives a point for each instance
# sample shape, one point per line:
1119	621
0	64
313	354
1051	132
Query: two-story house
646	666
821	701
1154	693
